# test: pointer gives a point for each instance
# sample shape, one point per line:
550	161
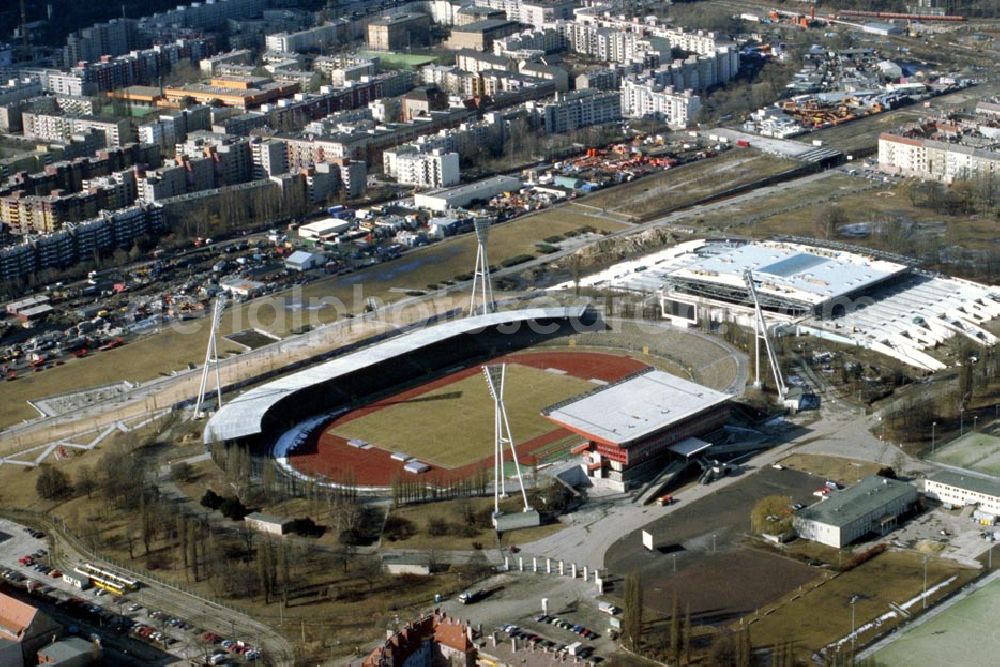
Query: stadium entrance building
635	426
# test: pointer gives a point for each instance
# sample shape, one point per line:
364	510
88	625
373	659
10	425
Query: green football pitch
451	425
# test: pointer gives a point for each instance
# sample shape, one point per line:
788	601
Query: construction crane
760	331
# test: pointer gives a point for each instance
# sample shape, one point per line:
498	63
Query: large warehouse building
856	298
873	505
635	426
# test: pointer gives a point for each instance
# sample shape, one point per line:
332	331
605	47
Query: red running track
330	457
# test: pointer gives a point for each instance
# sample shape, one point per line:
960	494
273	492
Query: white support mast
495	380
760	331
211	359
481	276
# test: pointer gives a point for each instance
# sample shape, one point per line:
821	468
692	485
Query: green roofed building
958	490
871	506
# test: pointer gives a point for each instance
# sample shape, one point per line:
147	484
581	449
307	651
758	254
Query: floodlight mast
211	358
760	331
481	281
495	381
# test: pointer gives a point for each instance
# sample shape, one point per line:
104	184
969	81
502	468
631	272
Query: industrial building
632	428
464	195
873	505
954	489
848	295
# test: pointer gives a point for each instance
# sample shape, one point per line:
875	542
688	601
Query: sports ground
963	634
979	452
448	423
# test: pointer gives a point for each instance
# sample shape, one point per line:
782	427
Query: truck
607	608
470	597
665	500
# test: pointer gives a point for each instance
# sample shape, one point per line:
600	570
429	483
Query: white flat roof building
463	195
623	413
957	489
323	229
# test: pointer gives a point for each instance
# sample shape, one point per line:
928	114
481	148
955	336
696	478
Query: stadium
843	294
415	405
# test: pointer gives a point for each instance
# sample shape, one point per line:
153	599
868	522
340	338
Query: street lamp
924	596
975	422
854	600
933	433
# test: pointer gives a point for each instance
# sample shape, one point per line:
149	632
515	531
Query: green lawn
974	451
452	426
963	634
822	615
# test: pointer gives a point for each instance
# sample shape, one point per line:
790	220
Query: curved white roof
243	415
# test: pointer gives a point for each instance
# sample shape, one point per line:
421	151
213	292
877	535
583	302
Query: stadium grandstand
259	415
848	295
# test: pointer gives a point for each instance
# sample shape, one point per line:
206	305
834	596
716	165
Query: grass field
423	427
452	512
962	634
649	196
394	60
822	614
974	451
845	471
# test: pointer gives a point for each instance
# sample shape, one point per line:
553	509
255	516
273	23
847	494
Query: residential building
399	31
938	160
431	640
60	128
646	99
872	506
313	39
23	631
480	35
269	156
436	169
580	108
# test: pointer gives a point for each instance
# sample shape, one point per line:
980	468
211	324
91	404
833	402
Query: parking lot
26	563
516	604
701	555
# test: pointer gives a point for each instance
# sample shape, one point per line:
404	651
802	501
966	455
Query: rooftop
265	518
867	496
985	485
483	26
635	408
800	273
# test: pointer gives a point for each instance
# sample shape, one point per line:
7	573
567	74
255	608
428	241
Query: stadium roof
845	507
635	408
243	416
